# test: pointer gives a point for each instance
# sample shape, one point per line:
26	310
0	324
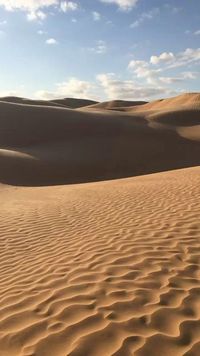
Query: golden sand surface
99	268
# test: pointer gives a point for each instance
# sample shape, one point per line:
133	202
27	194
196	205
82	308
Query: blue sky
99	49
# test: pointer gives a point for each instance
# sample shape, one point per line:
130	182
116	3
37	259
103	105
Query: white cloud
165	62
190	55
26	5
96	16
128	89
32	7
145	16
36	15
73	88
125	5
68	6
163	57
51	41
100	48
197	32
3	23
20	91
142	69
8	93
107	85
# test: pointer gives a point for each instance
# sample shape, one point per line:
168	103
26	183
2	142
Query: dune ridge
65	145
66	102
184	100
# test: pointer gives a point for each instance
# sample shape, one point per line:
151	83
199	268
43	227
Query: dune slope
108	268
71	146
25	101
72	103
115	105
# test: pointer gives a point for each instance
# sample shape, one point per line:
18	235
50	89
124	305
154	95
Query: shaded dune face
16	100
41	145
73	103
66	102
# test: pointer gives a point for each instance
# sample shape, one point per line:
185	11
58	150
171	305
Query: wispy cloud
125	5
96	16
41	32
68	6
190	55
99	48
174	9
145	16
35	8
36	15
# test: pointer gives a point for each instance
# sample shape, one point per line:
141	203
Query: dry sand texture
102	268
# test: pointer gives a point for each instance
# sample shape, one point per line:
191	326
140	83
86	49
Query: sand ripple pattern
101	269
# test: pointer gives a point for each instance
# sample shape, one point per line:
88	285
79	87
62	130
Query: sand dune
115	105
25	101
73	146
108	268
73	103
67	102
188	100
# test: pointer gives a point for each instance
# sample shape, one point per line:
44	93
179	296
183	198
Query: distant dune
115	105
74	103
104	268
182	101
16	100
73	146
67	102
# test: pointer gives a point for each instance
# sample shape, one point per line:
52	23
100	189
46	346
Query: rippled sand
98	269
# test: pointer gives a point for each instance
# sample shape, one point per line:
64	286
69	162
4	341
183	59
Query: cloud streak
145	16
125	5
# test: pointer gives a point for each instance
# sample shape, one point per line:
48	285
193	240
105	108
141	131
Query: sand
65	146
108	268
66	102
99	268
